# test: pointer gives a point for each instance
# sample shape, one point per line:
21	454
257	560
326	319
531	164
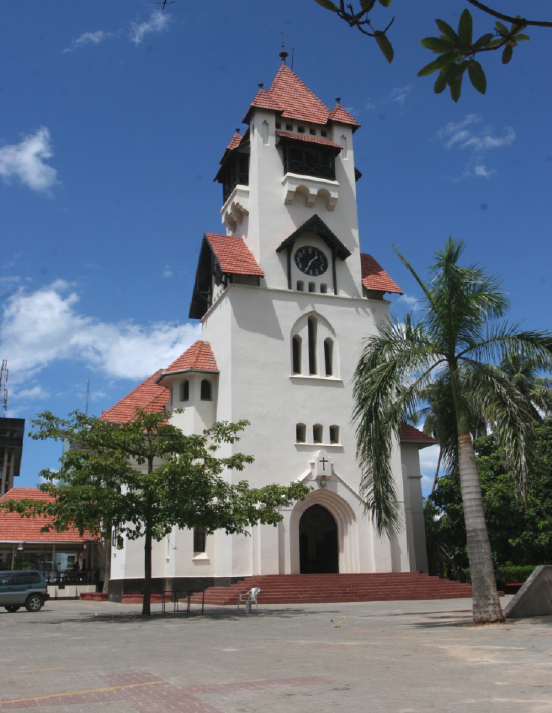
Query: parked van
24	587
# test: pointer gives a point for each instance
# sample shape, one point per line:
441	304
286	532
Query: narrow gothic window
185	390
328	356
311	328
334	434
300	433
205	390
317	433
296	355
199	540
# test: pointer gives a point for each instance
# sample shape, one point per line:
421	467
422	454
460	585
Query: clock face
311	261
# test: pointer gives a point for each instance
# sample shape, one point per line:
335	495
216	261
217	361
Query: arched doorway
318	550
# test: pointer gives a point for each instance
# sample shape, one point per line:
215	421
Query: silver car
25	587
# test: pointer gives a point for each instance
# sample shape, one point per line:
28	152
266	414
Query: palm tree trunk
486	604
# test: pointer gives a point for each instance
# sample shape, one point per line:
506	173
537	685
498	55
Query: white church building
285	298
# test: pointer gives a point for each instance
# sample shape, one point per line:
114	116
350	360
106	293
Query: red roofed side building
285	297
24	545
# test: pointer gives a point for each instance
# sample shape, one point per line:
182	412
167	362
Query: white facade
297	398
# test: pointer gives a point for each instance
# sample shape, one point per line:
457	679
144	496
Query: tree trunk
146	608
106	546
486	604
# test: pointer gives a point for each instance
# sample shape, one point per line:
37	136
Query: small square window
278	125
323	133
312	132
289	127
300	129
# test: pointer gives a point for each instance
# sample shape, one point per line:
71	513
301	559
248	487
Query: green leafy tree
460	335
519	533
146	477
457	49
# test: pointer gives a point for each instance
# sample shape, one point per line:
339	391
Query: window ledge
319	445
316	377
201	557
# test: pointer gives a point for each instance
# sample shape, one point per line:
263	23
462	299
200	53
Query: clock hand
310	263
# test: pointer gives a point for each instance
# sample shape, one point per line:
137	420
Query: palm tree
453	349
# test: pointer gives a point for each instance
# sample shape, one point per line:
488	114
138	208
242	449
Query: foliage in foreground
145	477
456	48
520	532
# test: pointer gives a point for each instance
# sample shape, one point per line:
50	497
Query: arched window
311	329
300	286
324	288
317	433
300	433
334	434
185	390
205	390
312	287
328	356
296	354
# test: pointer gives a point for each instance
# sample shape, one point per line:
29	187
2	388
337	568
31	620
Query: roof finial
237	129
283	53
338	100
261	85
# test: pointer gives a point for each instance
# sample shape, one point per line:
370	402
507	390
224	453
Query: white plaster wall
412	479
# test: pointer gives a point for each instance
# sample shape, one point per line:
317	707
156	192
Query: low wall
69	591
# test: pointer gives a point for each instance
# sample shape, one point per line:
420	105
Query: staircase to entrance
327	588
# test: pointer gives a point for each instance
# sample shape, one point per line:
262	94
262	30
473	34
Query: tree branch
508	18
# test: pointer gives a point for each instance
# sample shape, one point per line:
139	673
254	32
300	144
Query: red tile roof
409	434
308	137
15	528
199	357
233	255
148	395
374	276
342	116
290	96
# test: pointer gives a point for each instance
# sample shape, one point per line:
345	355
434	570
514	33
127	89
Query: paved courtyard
401	657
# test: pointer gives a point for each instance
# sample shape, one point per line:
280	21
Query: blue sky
115	113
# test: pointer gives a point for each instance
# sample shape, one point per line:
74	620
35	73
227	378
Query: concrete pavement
396	657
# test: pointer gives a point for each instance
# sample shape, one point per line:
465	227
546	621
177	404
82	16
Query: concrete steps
327	588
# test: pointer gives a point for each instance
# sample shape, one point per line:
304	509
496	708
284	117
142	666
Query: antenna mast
4	386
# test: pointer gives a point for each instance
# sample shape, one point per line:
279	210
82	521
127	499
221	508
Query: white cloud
465	135
88	38
32	394
399	94
167	271
412	302
44	326
25	161
158	22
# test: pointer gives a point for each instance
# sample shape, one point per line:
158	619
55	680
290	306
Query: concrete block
535	597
